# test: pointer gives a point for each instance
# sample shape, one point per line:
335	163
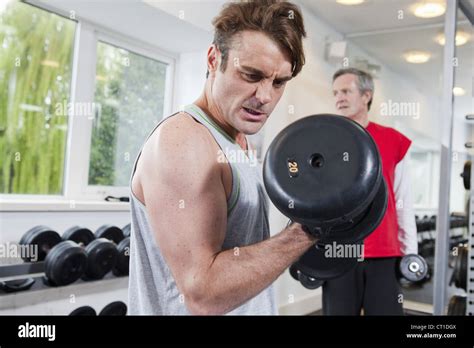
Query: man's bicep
187	209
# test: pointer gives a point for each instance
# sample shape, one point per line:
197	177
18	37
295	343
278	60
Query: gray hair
365	82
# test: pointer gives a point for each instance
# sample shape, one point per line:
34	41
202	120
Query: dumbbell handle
21	269
414	267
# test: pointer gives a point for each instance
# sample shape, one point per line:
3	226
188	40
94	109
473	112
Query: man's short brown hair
280	20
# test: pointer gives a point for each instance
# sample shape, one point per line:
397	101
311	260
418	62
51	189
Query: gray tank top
152	289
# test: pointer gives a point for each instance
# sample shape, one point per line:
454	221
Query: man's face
253	82
349	101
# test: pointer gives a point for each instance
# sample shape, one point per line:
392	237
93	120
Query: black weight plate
110	232
101	258
315	264
308	282
413	268
460	267
127	229
117	308
466	175
65	263
336	187
457	305
83	311
42	236
16	285
294	272
80	235
360	228
123	258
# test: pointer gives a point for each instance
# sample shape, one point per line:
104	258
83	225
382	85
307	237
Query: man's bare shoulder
181	139
182	130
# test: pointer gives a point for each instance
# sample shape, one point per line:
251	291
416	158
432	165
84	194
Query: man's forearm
239	274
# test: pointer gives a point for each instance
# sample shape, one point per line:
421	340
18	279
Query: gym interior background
121	66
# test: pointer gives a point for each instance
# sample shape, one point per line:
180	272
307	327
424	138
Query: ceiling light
458	91
350	2
461	38
429	9
417	57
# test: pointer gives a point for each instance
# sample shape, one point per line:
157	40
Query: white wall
190	77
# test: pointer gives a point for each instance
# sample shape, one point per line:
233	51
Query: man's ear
367	95
213	59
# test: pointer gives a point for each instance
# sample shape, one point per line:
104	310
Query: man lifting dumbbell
372	284
200	241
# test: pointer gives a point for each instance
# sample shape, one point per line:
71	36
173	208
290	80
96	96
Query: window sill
21	205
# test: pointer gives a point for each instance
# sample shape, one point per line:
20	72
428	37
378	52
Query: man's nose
264	92
339	97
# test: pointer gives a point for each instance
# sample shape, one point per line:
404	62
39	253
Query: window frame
84	129
79	134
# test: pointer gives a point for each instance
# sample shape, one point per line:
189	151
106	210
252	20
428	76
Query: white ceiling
196	12
142	24
372	15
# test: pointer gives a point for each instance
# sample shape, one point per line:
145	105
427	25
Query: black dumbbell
80	235
457	305
102	254
459	277
466	175
112	233
116	235
426	247
123	260
425	223
64	261
83	311
307	281
117	308
432	223
420	225
413	269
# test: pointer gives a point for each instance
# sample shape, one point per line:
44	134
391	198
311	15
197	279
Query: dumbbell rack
41	293
470	258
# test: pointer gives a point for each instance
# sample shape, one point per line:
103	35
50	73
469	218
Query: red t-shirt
393	146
